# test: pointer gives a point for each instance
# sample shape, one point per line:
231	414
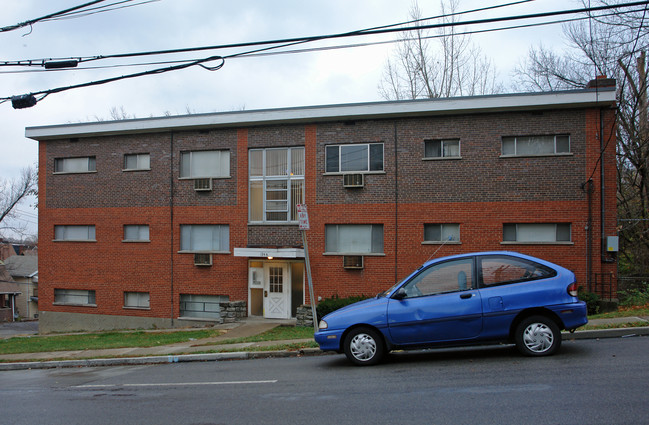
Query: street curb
248	355
152	360
606	333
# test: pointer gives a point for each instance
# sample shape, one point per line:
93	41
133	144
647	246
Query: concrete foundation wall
51	321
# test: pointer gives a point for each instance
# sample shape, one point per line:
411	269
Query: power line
101	9
49	16
314	49
29	100
398	27
43	61
78	12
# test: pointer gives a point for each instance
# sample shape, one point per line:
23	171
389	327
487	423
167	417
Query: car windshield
391	290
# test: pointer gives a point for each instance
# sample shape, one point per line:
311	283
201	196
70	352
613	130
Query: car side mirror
400	294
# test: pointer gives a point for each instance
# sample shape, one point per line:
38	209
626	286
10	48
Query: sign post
303	218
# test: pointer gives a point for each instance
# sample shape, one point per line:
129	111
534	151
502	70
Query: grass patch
100	340
638	310
296	346
589	327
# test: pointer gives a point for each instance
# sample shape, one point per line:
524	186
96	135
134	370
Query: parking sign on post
303	217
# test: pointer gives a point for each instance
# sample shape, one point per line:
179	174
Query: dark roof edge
603	96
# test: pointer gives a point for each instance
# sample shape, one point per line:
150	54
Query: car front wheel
364	347
538	336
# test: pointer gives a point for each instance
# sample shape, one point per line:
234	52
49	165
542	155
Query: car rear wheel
364	347
538	336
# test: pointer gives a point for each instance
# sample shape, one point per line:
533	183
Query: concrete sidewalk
191	350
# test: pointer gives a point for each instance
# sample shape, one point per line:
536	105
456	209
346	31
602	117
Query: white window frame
189	162
262	210
61	233
204	306
517	140
218	233
366	168
523	233
142	162
140	230
371	241
444	143
71	165
80	297
446	230
137	300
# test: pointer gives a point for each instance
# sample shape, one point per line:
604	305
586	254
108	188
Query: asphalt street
590	381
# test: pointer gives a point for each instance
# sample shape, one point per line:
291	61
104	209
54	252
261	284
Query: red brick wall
481	191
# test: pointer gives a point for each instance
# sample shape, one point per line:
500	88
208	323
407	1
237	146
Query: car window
497	270
450	276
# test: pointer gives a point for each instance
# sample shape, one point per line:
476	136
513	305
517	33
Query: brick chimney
601	81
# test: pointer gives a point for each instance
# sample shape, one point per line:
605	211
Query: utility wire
101	9
199	62
41	62
49	16
317	49
28	100
368	31
78	12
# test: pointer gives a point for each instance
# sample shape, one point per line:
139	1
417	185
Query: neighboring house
8	292
6	250
164	221
24	271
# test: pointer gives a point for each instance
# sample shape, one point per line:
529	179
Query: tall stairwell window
276	184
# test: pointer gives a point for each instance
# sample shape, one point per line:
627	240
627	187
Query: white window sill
75	305
441	158
441	243
354	254
204	252
536	243
273	223
74	240
340	173
207	177
538	155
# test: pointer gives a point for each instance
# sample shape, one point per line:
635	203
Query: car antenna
450	238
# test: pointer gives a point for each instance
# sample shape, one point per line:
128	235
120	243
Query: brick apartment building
164	221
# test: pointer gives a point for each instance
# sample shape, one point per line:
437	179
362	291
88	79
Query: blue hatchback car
479	298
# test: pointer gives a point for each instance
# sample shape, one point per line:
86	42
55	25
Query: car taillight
573	289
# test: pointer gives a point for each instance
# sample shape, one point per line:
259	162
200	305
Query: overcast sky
315	78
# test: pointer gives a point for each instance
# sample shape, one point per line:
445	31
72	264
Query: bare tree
614	45
12	192
444	64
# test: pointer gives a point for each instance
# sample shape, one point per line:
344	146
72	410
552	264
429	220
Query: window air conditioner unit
202	185
353	180
353	261
202	259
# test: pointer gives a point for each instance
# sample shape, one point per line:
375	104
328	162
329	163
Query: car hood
371	311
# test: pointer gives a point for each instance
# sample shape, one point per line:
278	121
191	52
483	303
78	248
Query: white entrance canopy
269	252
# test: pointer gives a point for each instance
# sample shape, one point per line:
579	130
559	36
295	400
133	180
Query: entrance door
277	289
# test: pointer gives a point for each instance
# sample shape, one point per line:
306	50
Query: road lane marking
175	384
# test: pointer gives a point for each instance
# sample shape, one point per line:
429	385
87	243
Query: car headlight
323	325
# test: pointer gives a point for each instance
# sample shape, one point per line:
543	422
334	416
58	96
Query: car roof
482	253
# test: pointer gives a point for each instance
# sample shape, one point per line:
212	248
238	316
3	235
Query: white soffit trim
269	252
375	110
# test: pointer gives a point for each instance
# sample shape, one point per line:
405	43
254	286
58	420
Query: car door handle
466	296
